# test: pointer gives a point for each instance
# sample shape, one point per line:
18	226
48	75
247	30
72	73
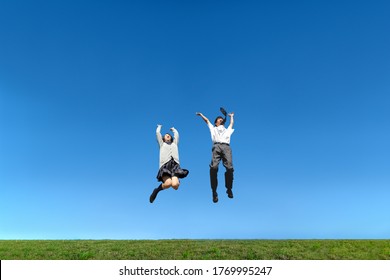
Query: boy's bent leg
213	178
229	182
214	183
215	160
228	163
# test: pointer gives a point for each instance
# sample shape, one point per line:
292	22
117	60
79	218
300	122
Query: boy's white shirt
220	133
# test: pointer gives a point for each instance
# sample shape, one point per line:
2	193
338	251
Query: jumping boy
221	150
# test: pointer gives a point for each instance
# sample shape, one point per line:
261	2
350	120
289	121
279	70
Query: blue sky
83	85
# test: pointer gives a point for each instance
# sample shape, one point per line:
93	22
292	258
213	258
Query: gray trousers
224	152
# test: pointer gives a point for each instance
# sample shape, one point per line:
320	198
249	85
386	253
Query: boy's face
219	122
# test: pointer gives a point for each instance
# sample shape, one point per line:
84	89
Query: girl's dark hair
166	134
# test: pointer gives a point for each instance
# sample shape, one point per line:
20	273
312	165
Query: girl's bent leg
175	182
167	182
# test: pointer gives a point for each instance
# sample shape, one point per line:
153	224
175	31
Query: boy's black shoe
229	193
215	197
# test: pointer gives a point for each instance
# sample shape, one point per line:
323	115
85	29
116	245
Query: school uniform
169	163
221	149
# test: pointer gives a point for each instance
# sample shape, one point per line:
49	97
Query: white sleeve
211	127
159	136
175	136
230	130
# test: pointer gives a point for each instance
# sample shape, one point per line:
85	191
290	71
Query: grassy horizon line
195	249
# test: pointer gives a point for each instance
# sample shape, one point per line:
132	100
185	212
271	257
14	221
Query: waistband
221	143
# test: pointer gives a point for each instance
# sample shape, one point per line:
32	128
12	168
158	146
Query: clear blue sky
83	85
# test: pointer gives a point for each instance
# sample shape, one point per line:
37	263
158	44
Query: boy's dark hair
223	111
220	117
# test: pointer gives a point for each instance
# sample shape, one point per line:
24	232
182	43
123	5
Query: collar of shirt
220	129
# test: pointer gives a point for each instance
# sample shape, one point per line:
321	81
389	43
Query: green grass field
195	249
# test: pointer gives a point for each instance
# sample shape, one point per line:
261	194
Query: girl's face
167	138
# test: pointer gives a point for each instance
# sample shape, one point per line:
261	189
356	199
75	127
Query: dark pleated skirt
171	168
